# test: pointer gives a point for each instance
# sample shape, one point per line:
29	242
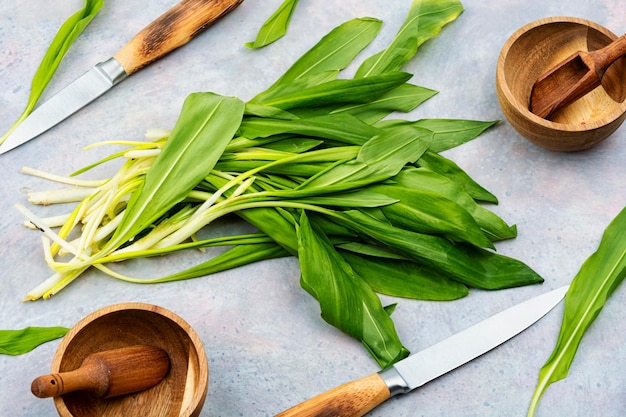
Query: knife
358	397
171	30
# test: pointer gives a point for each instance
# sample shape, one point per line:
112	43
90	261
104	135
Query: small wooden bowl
536	48
181	392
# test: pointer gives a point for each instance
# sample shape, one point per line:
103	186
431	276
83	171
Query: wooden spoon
108	374
573	77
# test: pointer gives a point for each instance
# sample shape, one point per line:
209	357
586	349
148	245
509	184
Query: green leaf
239	255
356	198
404	99
430	212
275	27
294	86
424	21
206	124
333	52
339	92
261	110
400	278
380	158
449	133
17	342
589	291
427	180
61	43
341	127
276	223
346	301
294	145
468	265
450	169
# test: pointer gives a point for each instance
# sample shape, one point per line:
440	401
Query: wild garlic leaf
294	86
380	158
338	92
340	127
275	27
239	255
61	43
472	266
404	99
424	179
444	166
424	21
449	133
589	291
333	52
430	212
17	342
346	301
365	198
205	126
402	278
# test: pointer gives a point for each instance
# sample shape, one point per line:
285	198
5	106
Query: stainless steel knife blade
171	30
66	102
358	397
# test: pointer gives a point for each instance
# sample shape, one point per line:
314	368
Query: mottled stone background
267	347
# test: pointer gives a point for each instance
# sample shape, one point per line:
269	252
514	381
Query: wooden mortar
534	49
180	393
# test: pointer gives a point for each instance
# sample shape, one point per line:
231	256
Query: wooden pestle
108	374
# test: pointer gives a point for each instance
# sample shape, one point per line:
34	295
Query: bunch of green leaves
369	206
18	342
275	27
61	43
589	291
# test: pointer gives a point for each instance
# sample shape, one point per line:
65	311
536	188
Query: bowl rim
619	112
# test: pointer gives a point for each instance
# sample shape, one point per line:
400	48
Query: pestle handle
108	374
606	56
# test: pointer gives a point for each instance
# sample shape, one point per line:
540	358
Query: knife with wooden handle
357	398
169	31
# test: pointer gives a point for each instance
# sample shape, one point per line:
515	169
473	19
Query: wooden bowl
536	48
181	392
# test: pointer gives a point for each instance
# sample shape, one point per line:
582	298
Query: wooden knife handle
171	30
353	399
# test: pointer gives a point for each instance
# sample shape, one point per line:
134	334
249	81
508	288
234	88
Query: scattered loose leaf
589	291
275	27
424	21
18	342
332	53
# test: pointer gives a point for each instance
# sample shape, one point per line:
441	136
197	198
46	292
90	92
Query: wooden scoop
108	374
573	77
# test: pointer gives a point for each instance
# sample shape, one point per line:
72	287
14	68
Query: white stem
38	292
53	221
44	228
67	195
156	134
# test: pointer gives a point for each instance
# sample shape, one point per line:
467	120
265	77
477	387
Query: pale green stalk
102	232
161	231
142	153
61	179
